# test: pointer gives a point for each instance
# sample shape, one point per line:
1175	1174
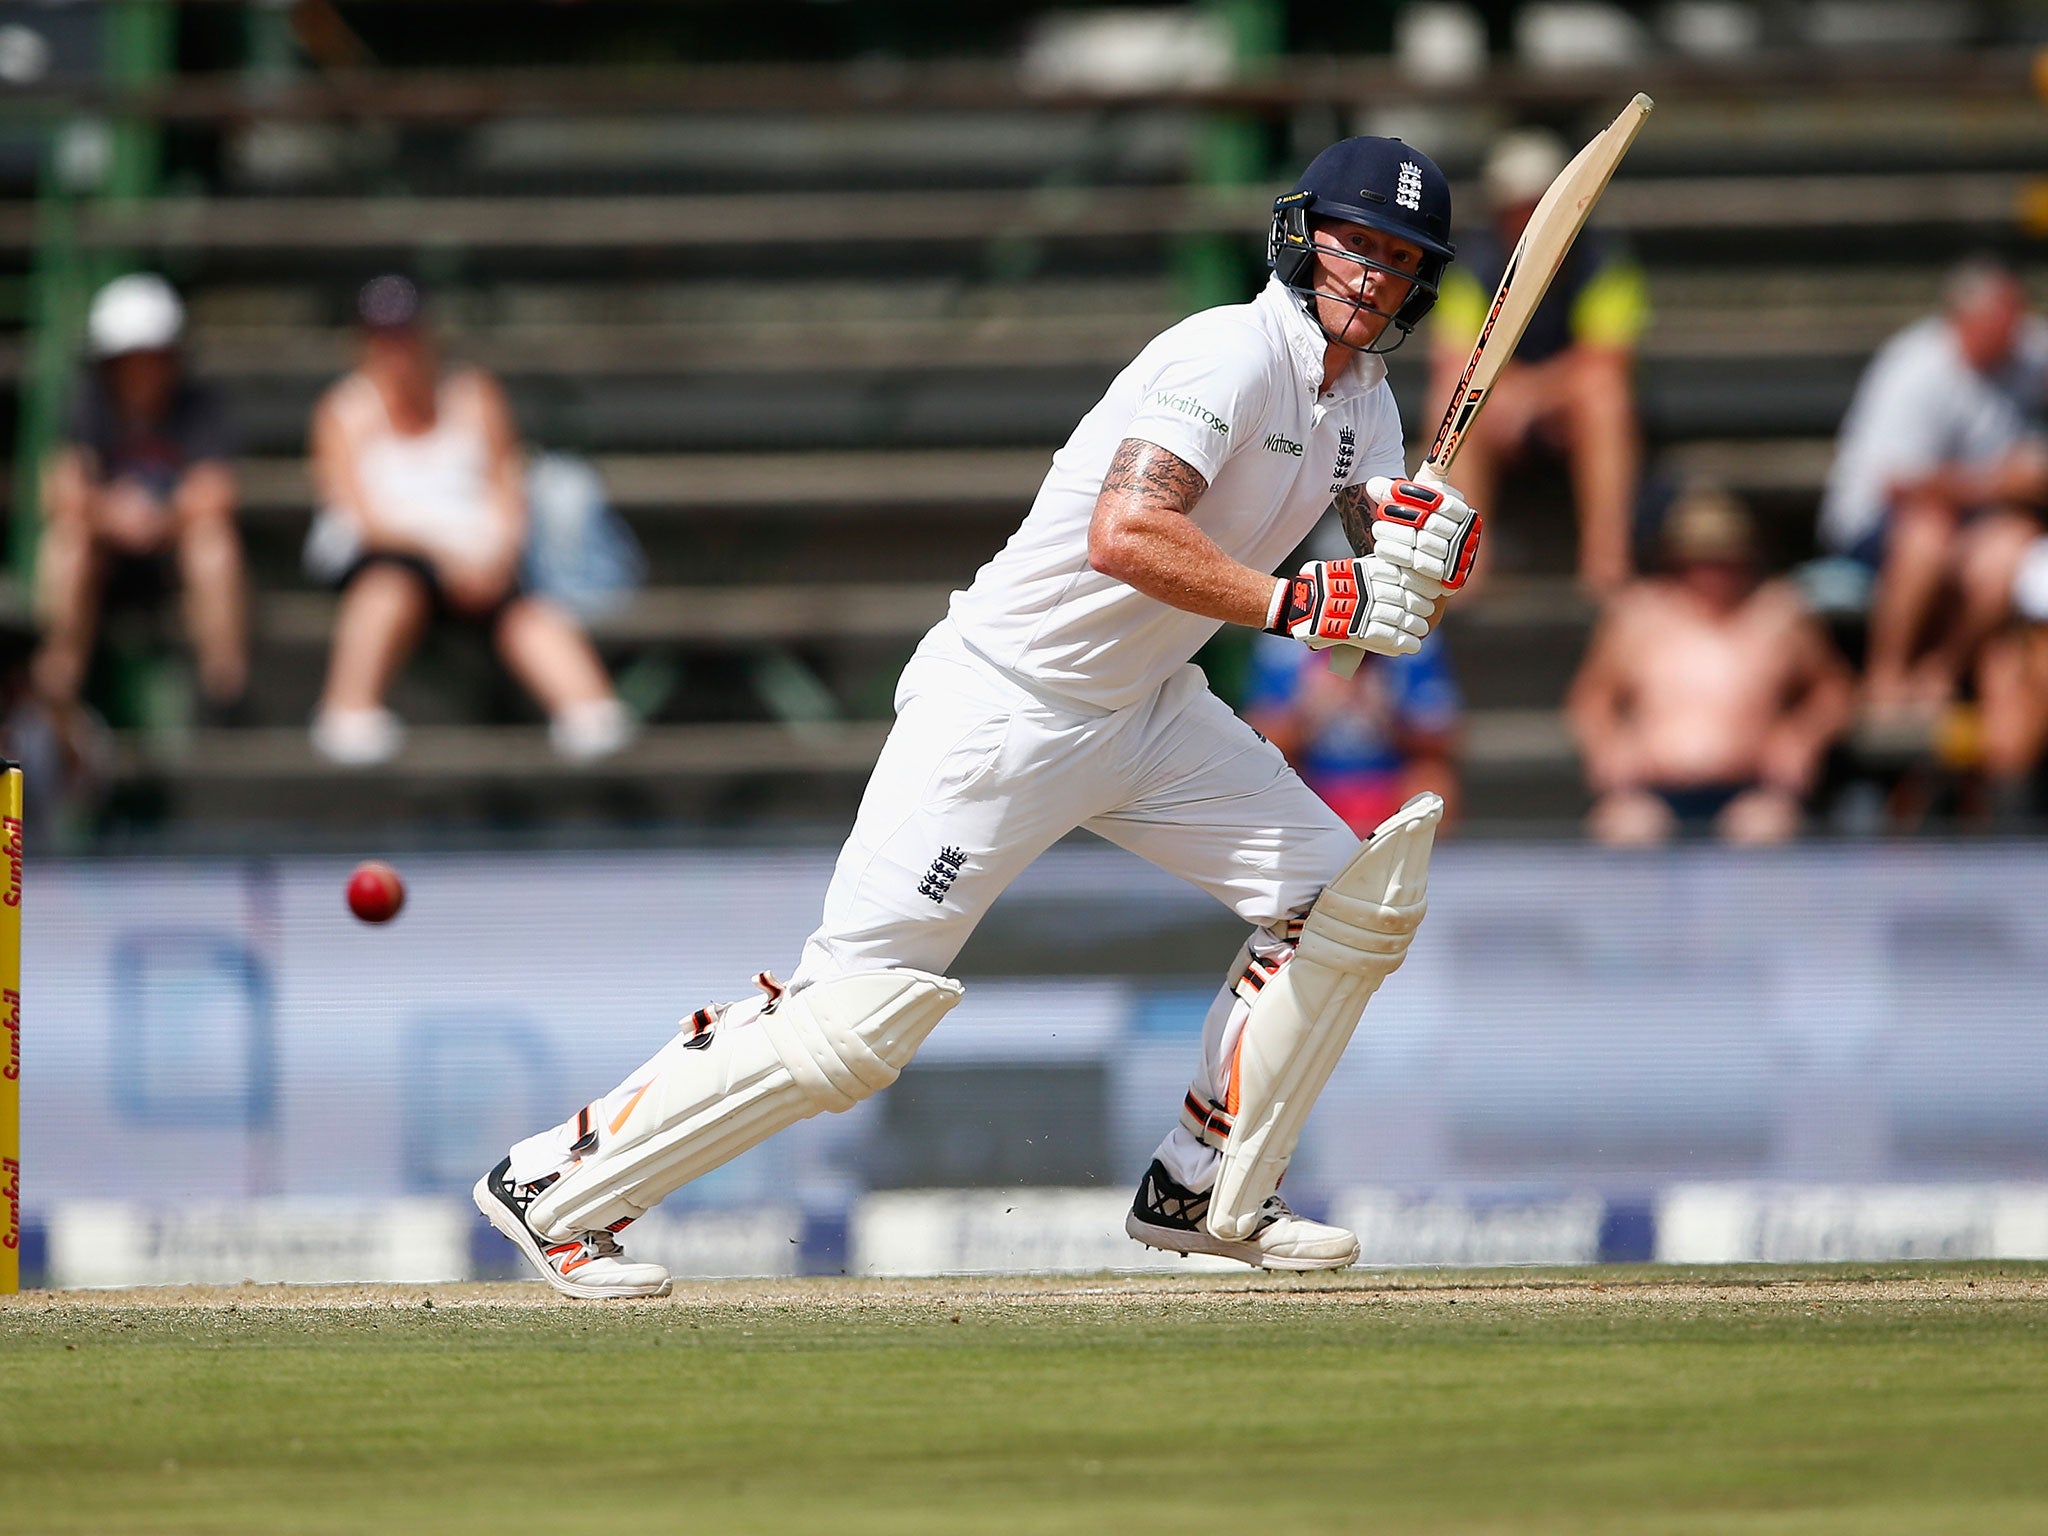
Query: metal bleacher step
257	332
752	347
810	484
1982	200
729	615
481	754
822	484
821	610
1754	466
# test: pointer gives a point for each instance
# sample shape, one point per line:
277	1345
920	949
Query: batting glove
1367	602
1425	529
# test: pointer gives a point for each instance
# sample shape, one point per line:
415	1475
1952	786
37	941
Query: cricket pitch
1865	1398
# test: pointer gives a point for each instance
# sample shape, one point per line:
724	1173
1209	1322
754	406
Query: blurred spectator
1707	698
140	498
2012	694
65	754
1937	479
1571	385
1364	743
424	512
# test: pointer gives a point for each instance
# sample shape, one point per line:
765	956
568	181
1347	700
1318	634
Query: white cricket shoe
590	1265
357	738
592	731
1169	1215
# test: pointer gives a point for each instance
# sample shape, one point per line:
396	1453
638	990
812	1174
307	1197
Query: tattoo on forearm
1354	511
1145	472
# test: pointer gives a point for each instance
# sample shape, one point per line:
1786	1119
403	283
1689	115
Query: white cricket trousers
981	774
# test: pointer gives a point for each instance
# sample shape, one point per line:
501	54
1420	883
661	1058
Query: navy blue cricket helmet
1383	184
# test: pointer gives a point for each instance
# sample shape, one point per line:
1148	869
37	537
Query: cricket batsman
1058	692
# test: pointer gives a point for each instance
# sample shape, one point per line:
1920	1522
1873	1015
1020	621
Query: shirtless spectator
1571	385
1708	698
140	498
1938	479
420	477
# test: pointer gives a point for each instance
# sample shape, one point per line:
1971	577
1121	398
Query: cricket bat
1546	239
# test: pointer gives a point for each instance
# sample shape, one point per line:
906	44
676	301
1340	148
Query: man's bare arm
1596	705
336	482
507	461
1821	704
1141	535
206	495
68	484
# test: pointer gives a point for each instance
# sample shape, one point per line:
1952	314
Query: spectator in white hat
140	498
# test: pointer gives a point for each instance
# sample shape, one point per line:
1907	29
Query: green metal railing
83	159
1210	269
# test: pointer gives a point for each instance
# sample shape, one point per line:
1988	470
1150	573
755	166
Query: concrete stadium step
1514	645
962	409
601	327
762	485
718	616
1499	738
828	485
875	149
502	777
870	149
1792	467
820	610
970	410
488	752
1979	202
748	346
308	357
1518	640
1519	774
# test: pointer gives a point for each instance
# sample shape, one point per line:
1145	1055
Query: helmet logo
1408	188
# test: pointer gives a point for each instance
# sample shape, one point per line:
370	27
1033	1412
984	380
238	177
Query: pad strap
826	1047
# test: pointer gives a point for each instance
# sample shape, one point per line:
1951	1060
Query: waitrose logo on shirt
1188	405
1287	445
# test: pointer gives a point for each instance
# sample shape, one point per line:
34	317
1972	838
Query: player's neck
1336	358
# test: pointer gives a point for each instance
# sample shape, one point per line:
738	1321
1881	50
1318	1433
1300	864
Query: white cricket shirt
1918	405
1236	393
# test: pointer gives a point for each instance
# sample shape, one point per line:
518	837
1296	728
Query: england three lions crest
1347	444
1408	187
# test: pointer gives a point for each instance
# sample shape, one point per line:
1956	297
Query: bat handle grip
1345	659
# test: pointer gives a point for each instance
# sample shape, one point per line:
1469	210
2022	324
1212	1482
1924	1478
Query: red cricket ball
375	893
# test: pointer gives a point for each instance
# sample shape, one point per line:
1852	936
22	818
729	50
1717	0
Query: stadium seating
820	357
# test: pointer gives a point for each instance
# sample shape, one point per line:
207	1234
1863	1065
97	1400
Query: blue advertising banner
1569	1022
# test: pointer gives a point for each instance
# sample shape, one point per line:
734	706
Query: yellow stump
10	1016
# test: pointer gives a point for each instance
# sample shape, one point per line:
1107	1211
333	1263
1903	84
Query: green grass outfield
1864	1399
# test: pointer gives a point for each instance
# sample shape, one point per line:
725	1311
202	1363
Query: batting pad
1355	937
826	1047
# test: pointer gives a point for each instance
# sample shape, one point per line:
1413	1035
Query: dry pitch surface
1867	1399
